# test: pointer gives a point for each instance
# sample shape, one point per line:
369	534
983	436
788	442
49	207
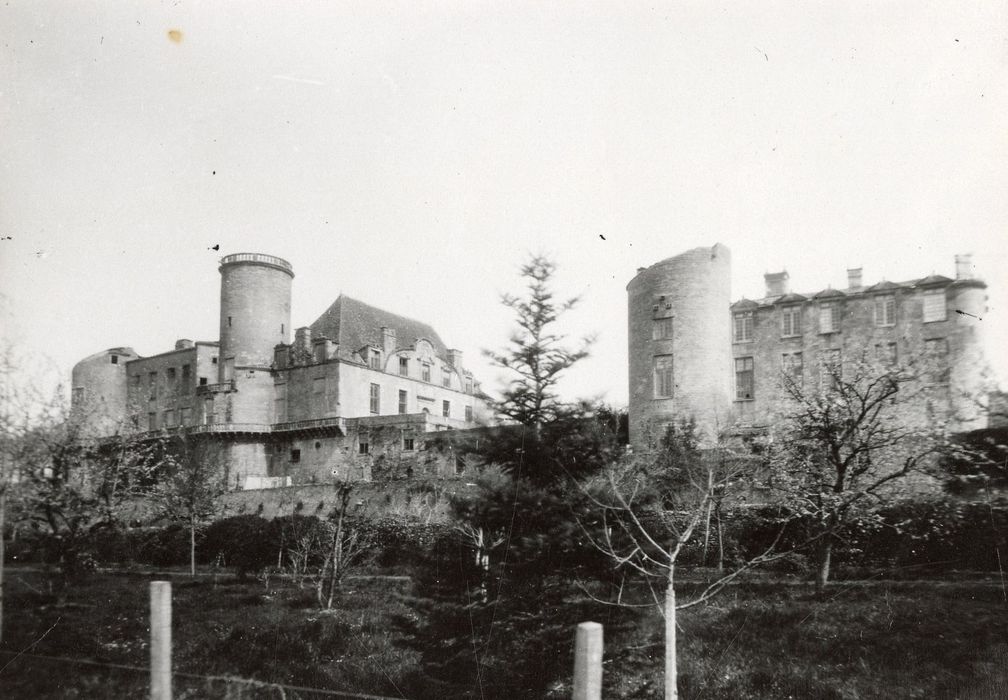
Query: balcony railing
257	258
310	424
232	428
216	388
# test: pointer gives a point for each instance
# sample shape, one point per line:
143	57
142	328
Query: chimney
388	336
455	358
776	283
183	343
964	266
854	278
301	350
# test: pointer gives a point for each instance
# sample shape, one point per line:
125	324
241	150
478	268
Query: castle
352	396
694	353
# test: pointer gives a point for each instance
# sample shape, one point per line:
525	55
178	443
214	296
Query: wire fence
187	685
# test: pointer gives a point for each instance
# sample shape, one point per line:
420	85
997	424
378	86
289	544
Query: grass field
765	639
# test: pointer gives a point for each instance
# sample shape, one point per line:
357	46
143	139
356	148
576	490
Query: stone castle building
694	353
354	394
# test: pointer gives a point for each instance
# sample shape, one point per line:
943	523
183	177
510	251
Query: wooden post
588	662
160	648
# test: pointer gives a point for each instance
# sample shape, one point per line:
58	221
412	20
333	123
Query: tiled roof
884	286
829	294
354	324
791	298
933	279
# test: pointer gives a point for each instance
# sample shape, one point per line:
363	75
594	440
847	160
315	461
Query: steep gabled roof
743	304
354	324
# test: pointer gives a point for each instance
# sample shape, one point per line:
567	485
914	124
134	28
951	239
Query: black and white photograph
469	349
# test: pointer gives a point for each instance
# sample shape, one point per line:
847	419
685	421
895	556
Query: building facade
693	354
351	396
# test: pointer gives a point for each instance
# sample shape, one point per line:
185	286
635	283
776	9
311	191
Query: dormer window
425	372
403	367
375	359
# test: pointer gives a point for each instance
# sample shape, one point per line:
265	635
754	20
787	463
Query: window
403	398
793	369
663	377
831	370
186	416
885	354
202	381
403	367
375	398
186	373
320	352
363	448
375	359
662	329
114	359
791	321
170	373
136	380
213	360
468	385
469	414
445	377
743	327
78	395
169	418
152	380
934	306
936	355
407	443
885	310
151	421
295	456
280	403
446	409
318	386
829	318
425	372
744	378
207	411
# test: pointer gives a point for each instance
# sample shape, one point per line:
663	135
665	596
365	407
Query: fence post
160	649
588	662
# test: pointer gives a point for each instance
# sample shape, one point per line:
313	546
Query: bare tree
344	542
647	512
850	441
190	481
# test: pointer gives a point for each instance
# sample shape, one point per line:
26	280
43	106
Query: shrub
243	542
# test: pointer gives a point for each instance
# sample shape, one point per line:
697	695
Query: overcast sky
411	154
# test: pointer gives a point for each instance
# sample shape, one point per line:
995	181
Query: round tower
99	392
254	311
680	344
967	367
